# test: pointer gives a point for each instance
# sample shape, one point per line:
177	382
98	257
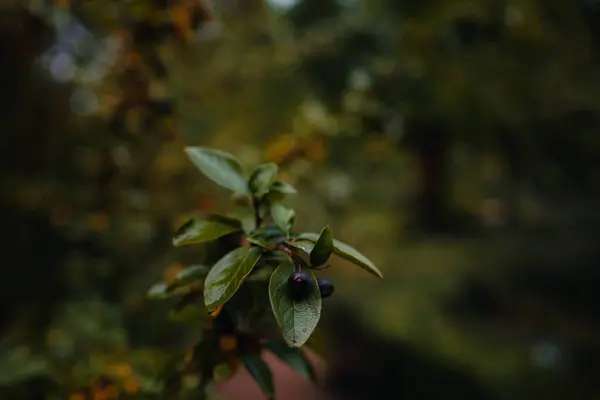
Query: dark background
455	143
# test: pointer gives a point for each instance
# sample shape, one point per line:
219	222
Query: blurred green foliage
455	141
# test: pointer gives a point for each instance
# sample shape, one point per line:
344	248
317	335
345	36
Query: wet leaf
323	248
197	231
346	252
226	276
219	166
261	373
297	319
262	178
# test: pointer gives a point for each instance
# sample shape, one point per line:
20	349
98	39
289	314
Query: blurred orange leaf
109	392
315	149
181	15
62	3
172	271
228	342
122	370
280	148
131	385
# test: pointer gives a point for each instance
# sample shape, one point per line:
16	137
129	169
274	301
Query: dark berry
326	287
300	285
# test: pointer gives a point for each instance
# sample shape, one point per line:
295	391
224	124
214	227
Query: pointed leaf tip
228	274
294	357
219	166
297	319
346	252
260	371
197	231
323	248
283	188
262	178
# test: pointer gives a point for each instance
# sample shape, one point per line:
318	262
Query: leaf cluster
263	294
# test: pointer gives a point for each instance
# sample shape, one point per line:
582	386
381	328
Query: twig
256	206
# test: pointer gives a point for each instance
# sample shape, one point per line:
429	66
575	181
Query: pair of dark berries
300	286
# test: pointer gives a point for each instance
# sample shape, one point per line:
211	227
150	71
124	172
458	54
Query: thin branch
256	205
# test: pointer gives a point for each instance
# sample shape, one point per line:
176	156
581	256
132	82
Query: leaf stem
256	206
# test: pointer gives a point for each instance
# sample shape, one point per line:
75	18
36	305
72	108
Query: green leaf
191	274
221	167
296	318
260	241
323	248
346	252
301	249
261	373
283	216
273	197
261	179
271	234
162	291
260	275
226	276
196	231
294	357
270	231
225	219
283	187
158	291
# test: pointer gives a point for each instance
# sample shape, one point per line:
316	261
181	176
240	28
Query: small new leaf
283	187
323	248
226	276
196	231
297	319
219	166
261	373
283	216
301	249
294	357
262	178
346	252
